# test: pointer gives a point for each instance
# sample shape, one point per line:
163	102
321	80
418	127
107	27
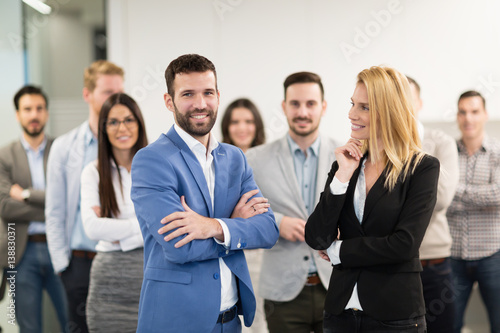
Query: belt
83	254
227	316
38	238
313	279
432	262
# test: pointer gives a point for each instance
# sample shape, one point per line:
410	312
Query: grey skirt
114	291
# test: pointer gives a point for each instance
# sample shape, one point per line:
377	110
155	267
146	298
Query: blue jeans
439	295
487	274
35	273
351	321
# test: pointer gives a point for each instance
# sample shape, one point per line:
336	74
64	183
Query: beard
300	132
195	130
33	133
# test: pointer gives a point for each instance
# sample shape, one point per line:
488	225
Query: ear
17	116
169	102
283	106
323	108
86	94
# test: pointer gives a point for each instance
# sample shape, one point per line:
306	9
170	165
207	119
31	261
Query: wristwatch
25	194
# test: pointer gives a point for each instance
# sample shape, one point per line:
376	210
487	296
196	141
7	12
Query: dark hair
412	81
29	90
472	93
304	77
107	196
260	135
187	63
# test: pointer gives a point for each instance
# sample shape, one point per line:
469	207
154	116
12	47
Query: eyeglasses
114	124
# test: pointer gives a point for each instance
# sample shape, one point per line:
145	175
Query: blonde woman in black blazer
380	194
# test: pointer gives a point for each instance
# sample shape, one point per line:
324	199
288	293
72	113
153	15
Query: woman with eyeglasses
108	217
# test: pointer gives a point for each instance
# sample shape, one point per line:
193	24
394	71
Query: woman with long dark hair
108	216
242	125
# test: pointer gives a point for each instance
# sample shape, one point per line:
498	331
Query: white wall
448	46
11	67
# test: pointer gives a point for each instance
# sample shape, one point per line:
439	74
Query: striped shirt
474	214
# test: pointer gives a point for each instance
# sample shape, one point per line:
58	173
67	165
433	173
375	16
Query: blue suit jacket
181	287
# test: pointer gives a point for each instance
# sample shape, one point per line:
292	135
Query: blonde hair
99	67
391	109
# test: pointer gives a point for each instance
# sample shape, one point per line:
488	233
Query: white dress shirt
229	290
121	233
338	188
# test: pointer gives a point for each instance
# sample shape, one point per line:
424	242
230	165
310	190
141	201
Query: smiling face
359	114
195	103
242	128
471	118
32	114
122	128
303	108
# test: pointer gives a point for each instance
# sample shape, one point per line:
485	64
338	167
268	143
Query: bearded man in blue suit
198	207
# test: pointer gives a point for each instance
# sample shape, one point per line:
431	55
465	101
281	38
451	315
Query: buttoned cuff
227	235
337	187
334	252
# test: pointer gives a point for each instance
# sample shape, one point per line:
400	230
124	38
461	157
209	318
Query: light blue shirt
35	162
306	170
79	239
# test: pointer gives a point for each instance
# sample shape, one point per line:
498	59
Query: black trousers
76	282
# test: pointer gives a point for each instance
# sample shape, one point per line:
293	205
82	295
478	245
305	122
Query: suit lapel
193	166
222	177
377	191
325	160
23	165
285	161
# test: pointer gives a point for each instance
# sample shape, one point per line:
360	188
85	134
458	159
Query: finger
184	241
176	233
244	198
172	217
257	200
184	204
167	228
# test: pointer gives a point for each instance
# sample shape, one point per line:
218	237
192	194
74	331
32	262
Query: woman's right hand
348	157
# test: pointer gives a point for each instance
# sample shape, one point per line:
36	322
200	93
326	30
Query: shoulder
66	141
428	161
493	145
263	152
329	142
8	149
161	148
90	170
439	137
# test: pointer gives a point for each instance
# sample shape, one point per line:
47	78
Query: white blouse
122	233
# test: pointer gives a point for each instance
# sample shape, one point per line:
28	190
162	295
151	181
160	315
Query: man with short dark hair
474	214
291	173
22	200
193	199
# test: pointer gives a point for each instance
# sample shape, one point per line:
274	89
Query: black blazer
381	253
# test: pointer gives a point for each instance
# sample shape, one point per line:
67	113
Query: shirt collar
485	145
27	146
89	136
192	143
314	147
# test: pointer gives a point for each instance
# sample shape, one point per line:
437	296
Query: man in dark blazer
23	245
